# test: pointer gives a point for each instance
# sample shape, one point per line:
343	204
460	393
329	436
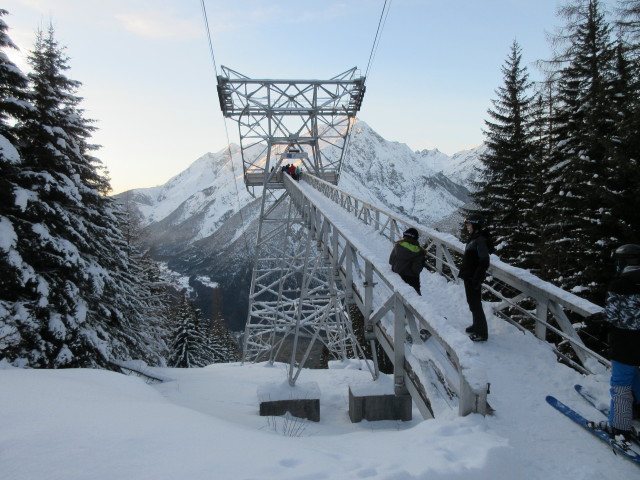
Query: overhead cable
206	26
226	130
376	40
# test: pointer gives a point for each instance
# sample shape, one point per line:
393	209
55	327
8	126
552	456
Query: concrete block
379	407
302	400
301	408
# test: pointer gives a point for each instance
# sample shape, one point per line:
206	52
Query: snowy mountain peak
203	178
209	201
384	173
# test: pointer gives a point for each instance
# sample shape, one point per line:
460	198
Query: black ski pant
413	281
474	299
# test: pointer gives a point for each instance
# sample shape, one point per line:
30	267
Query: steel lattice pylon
294	293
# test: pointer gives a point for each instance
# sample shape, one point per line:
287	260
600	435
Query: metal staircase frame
441	375
516	289
390	318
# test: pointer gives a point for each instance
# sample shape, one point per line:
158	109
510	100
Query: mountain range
203	222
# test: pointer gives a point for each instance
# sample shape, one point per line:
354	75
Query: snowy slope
203	424
211	189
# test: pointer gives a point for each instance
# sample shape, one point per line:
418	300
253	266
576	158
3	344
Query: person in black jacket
473	271
622	312
407	258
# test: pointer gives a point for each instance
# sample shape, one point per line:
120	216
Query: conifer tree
191	346
505	192
152	287
541	128
623	172
629	21
222	342
78	307
578	243
14	106
627	104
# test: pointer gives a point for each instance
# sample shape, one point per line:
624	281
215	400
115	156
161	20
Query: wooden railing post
399	386
541	313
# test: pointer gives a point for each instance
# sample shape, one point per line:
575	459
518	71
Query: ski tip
578	387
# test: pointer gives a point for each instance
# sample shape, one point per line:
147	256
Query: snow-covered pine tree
14	106
153	289
222	342
577	243
505	192
134	233
627	104
541	128
191	346
149	300
623	171
80	307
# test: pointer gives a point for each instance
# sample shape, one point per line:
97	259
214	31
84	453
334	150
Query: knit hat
411	233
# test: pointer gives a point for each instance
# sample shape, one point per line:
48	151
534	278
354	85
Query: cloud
159	25
256	14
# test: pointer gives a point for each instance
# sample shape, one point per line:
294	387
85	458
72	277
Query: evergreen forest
560	178
76	289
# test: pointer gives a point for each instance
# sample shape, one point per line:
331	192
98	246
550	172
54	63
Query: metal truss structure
308	270
294	295
301	115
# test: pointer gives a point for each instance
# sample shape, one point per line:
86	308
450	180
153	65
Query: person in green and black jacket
407	258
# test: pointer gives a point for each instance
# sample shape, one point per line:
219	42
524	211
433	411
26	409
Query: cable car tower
294	293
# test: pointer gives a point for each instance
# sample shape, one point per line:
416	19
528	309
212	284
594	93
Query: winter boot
622	438
477	338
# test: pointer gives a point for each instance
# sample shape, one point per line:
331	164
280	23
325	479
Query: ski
629	453
604	410
592	400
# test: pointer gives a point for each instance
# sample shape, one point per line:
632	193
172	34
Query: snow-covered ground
204	424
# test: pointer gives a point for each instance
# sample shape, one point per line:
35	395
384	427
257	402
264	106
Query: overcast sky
149	81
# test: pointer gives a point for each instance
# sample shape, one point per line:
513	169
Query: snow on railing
454	377
518	290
